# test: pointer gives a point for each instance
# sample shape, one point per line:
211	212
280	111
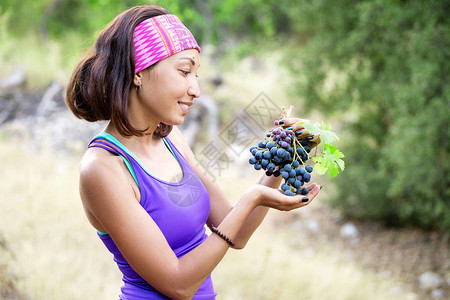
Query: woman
140	183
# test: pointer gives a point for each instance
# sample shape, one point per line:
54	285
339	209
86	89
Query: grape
289	193
292	173
273	151
282	153
264	162
307	177
258	155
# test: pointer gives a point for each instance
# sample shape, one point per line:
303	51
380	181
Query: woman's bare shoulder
178	139
100	169
97	160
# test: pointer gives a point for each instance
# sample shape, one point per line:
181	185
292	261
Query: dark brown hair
99	88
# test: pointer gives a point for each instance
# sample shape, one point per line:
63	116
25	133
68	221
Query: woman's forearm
257	215
195	266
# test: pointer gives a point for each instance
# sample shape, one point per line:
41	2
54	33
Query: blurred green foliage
380	65
385	65
211	21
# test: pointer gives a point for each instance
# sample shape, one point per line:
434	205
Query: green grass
42	61
57	255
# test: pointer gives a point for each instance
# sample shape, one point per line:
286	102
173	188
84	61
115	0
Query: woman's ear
137	80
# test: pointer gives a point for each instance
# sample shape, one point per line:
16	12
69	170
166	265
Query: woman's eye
185	72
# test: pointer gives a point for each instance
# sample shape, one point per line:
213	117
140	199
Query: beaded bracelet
219	233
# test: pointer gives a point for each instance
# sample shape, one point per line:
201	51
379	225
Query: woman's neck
137	144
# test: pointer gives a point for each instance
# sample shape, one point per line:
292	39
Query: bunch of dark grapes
282	153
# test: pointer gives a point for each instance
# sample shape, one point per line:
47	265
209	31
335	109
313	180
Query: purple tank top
180	209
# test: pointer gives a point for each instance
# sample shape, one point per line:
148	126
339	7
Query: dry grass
57	255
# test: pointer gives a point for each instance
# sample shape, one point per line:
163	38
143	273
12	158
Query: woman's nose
194	89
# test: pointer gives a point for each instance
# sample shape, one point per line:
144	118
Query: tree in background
380	65
385	65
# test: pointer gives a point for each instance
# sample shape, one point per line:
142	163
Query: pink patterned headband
160	37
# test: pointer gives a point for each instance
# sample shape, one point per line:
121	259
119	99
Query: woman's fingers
314	141
299	130
280	201
291	121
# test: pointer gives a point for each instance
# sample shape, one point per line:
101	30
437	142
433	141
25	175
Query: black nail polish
310	137
289	128
281	122
298	133
306	199
321	187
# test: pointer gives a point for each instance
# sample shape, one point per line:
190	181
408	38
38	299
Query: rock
411	296
397	290
309	252
312	225
16	78
349	230
49	104
438	294
430	280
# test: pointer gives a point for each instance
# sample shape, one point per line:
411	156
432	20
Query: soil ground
401	254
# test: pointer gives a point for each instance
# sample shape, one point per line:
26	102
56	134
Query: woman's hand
299	130
276	199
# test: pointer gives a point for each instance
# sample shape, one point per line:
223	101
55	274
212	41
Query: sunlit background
376	70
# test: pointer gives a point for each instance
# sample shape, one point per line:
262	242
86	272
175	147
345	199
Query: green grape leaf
314	129
327	136
333	159
320	166
341	164
333	170
326	126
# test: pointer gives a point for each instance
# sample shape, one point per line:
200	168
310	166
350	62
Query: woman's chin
175	122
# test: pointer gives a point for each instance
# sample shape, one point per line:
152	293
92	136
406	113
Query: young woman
140	183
